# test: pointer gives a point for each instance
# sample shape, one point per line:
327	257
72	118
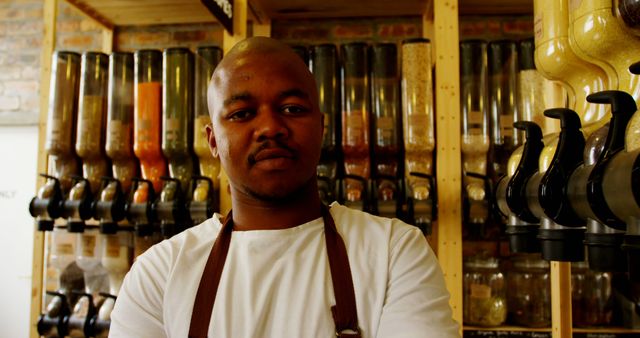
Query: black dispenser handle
635	68
433	194
623	106
553	196
516	187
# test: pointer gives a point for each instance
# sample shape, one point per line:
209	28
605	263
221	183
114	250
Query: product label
474	119
506	125
481	291
354	128
113	247
88	245
538	29
63	249
384	129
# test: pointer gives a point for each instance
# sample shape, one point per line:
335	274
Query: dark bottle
503	107
385	97
475	142
325	67
355	121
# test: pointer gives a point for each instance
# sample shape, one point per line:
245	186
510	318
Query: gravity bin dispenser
418	134
46	206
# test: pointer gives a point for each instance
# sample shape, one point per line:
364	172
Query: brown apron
344	312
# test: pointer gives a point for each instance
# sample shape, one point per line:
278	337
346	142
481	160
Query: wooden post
448	169
561	322
228	41
262	28
107	40
50	12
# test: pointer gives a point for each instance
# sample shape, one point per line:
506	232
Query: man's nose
270	125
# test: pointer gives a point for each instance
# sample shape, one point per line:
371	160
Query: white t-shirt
277	283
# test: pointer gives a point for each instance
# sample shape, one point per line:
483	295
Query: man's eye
239	115
293	109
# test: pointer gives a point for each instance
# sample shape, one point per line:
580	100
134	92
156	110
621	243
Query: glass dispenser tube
147	117
119	142
324	66
503	108
355	121
177	113
530	85
61	117
92	117
475	130
207	58
418	127
385	99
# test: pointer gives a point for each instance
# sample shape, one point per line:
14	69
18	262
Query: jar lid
530	262
482	262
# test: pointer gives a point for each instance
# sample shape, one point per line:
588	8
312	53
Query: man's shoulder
360	224
195	239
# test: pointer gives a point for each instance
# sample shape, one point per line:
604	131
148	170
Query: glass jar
484	292
591	296
529	296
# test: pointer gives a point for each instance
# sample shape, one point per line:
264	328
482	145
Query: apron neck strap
344	312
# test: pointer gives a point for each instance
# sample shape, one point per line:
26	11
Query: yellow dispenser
556	60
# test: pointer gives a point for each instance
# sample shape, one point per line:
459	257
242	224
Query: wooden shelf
112	13
507	328
149	12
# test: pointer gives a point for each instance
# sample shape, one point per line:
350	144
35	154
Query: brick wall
21	30
20	40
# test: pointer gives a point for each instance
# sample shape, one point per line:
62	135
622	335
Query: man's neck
252	214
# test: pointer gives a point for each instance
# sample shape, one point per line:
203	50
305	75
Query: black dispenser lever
47	205
623	106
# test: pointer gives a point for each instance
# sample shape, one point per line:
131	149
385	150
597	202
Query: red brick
68	26
30	72
27	27
22	43
21	88
474	28
397	30
87	25
30	103
14	14
77	41
9	72
352	31
309	33
150	38
494	27
189	36
9	103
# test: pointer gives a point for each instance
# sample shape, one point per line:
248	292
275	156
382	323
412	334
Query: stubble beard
282	196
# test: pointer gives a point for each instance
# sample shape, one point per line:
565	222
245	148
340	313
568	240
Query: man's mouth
267	152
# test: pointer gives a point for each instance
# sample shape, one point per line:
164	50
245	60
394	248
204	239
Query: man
282	265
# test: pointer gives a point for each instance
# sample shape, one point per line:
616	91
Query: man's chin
277	195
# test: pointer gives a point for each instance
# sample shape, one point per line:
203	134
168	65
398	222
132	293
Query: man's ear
211	140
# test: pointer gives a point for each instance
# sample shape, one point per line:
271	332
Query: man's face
267	127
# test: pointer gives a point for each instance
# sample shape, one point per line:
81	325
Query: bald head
266	51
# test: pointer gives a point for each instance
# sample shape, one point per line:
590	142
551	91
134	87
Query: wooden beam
448	169
49	15
92	13
561	322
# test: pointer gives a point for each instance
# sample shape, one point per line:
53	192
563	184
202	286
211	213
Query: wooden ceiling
147	12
